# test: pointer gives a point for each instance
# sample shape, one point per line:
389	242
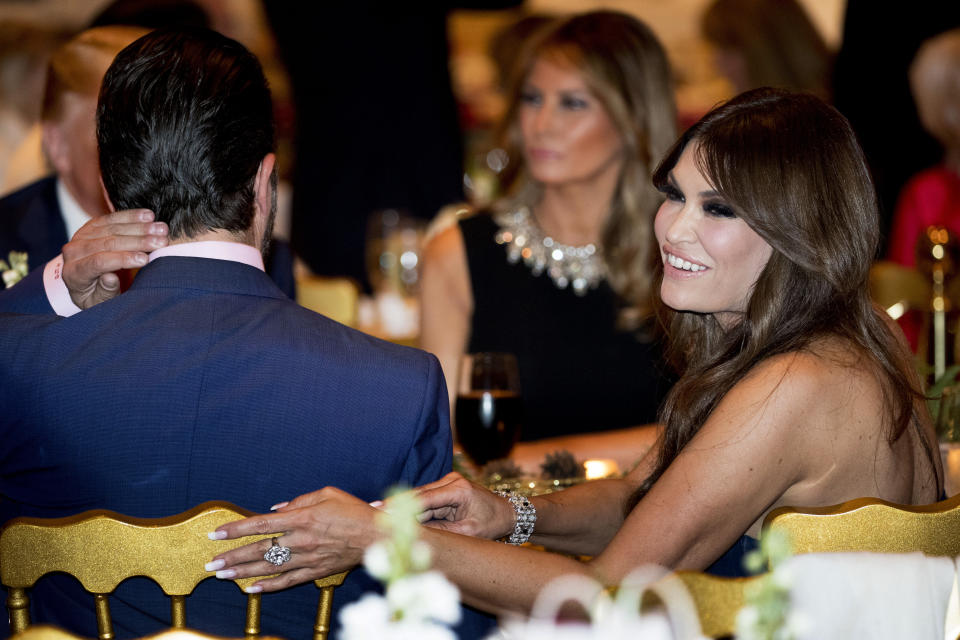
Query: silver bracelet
526	517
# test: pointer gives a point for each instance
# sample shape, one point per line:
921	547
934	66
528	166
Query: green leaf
935	392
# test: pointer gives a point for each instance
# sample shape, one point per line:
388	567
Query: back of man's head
183	122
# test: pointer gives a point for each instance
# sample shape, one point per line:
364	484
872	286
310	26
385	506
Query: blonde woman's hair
625	67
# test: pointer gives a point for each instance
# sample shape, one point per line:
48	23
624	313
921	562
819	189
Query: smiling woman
711	257
795	391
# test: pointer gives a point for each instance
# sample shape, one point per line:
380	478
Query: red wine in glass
489	409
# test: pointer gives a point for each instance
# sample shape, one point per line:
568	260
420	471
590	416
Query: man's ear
55	147
106	196
262	186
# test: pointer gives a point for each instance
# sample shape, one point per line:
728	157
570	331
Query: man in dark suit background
42	216
203	381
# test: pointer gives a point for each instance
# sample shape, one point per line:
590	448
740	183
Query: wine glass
393	251
489	410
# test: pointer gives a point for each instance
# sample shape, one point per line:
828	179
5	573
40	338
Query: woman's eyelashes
573	102
714	209
719	210
566	101
530	96
670	192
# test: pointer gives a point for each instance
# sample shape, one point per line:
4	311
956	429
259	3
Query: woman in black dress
559	271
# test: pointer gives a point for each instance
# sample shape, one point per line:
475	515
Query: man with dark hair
203	381
42	216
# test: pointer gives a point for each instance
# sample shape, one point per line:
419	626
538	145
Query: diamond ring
277	555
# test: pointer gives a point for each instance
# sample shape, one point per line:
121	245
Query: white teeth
686	265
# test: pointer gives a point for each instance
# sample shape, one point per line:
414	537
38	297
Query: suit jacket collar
207	274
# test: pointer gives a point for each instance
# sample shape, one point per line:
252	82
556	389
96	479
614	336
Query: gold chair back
718	600
48	632
335	298
871	524
102	548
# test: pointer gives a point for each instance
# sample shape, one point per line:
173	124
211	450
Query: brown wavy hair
791	168
625	67
779	43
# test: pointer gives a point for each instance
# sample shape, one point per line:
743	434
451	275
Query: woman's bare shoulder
445	272
829	386
445	247
819	367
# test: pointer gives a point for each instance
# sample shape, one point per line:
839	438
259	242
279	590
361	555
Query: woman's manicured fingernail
279	505
227	574
255	588
217	535
140	258
377	504
215	565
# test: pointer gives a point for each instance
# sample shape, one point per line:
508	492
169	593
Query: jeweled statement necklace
581	268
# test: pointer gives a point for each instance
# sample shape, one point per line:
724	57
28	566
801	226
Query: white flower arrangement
766	615
14	270
418	604
616	617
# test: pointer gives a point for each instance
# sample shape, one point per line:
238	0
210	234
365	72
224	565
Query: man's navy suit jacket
31	221
204	382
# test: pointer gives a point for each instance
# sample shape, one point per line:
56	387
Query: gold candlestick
936	256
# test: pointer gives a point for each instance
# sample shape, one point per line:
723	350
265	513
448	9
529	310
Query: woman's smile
711	257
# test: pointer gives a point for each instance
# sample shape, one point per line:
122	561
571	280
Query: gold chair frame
717	600
102	548
49	632
872	524
863	524
335	298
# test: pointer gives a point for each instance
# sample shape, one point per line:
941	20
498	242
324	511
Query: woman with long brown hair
794	389
559	271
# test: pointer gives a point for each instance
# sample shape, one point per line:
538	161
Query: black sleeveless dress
578	373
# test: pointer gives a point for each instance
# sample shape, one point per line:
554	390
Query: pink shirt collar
63	305
218	250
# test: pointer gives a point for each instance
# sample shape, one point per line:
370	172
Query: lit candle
596	469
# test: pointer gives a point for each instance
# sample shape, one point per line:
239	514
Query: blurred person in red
932	196
871	88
